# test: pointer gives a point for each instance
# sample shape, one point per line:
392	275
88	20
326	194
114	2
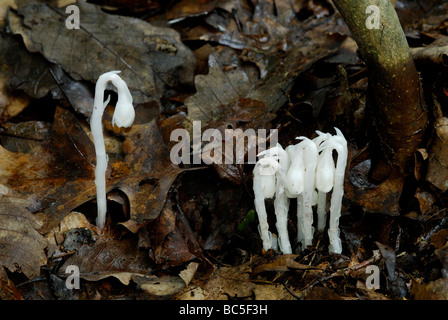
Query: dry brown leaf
434	290
436	52
163	287
108	257
425	199
437	172
217	88
8	291
283	263
188	273
147	66
172	240
381	198
235	283
21	245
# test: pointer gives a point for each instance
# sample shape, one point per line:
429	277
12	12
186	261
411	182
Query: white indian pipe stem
325	172
300	220
263	226
321	195
295	184
321	210
339	143
123	117
310	159
281	202
264	186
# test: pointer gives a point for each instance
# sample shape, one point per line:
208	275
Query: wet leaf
8	291
32	76
434	290
109	257
425	199
214	90
436	52
149	172
380	198
147	66
21	245
24	137
283	263
437	172
172	240
389	256
36	77
235	283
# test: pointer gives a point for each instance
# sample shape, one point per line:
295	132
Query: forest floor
189	230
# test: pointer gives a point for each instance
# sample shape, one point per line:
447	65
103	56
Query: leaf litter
186	232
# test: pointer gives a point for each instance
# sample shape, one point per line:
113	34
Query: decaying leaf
30	72
21	245
162	287
436	52
425	199
166	286
282	264
109	257
8	291
149	172
172	240
381	198
215	90
147	66
437	172
390	259
234	283
434	290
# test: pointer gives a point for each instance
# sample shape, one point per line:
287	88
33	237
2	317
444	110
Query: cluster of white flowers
305	171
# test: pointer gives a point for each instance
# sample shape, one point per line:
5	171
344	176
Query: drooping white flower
123	117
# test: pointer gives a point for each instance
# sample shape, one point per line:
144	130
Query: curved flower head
295	178
266	168
124	114
325	171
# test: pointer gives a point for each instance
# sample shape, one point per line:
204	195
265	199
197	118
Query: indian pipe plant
298	172
123	116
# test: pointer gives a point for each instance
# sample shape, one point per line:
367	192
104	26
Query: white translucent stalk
321	210
295	184
300	220
325	173
123	117
339	144
300	184
281	202
264	186
321	195
310	159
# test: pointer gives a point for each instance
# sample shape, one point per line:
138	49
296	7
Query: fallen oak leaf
172	241
375	198
148	66
151	172
109	257
21	245
283	263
